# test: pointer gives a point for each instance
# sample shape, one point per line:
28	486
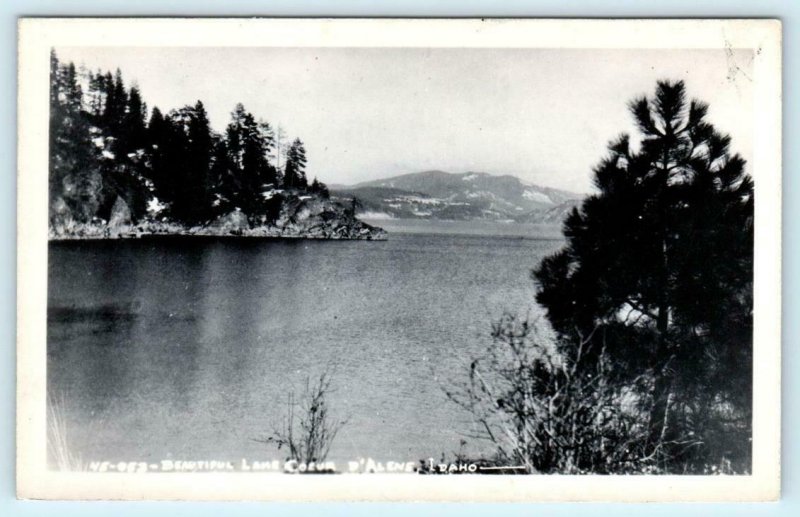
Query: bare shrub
308	429
554	407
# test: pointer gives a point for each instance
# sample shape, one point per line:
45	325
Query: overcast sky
543	115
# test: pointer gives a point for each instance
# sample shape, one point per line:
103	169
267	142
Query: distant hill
471	195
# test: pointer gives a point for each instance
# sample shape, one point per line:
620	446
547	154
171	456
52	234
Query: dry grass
58	438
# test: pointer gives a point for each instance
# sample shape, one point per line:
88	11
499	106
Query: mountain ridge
438	194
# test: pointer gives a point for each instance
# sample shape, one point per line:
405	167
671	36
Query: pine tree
157	141
181	158
167	149
96	96
657	269
134	127
280	146
250	145
109	106
272	176
295	175
317	187
116	102
243	178
198	181
119	119
222	177
72	171
120	101
57	170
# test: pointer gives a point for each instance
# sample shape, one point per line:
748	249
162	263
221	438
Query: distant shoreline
475	227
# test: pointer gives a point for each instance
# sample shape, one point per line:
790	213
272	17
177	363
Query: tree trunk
663	371
659	416
664	384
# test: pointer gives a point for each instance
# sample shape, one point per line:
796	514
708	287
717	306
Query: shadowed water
186	349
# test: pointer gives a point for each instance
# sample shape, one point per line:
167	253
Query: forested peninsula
120	170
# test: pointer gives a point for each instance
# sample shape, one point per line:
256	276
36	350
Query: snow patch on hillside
380	216
532	195
420	200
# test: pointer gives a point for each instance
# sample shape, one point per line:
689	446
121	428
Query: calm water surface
186	349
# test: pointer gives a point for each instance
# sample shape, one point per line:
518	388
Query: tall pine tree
657	271
295	172
197	194
249	145
161	158
181	150
134	127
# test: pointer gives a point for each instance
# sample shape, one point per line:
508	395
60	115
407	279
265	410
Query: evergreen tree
280	149
121	129
317	187
116	102
56	170
134	128
294	174
352	207
181	159
168	150
72	171
273	174
120	101
158	141
54	79
109	106
657	271
249	148
222	177
198	182
96	96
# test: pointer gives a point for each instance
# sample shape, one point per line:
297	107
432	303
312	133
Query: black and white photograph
455	259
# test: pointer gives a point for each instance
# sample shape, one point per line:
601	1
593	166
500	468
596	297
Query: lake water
186	349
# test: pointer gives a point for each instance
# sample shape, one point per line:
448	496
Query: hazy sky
543	115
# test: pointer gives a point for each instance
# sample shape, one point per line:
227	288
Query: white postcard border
38	35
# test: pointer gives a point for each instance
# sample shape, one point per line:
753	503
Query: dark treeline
166	166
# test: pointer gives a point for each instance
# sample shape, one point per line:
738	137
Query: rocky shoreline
300	218
103	232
